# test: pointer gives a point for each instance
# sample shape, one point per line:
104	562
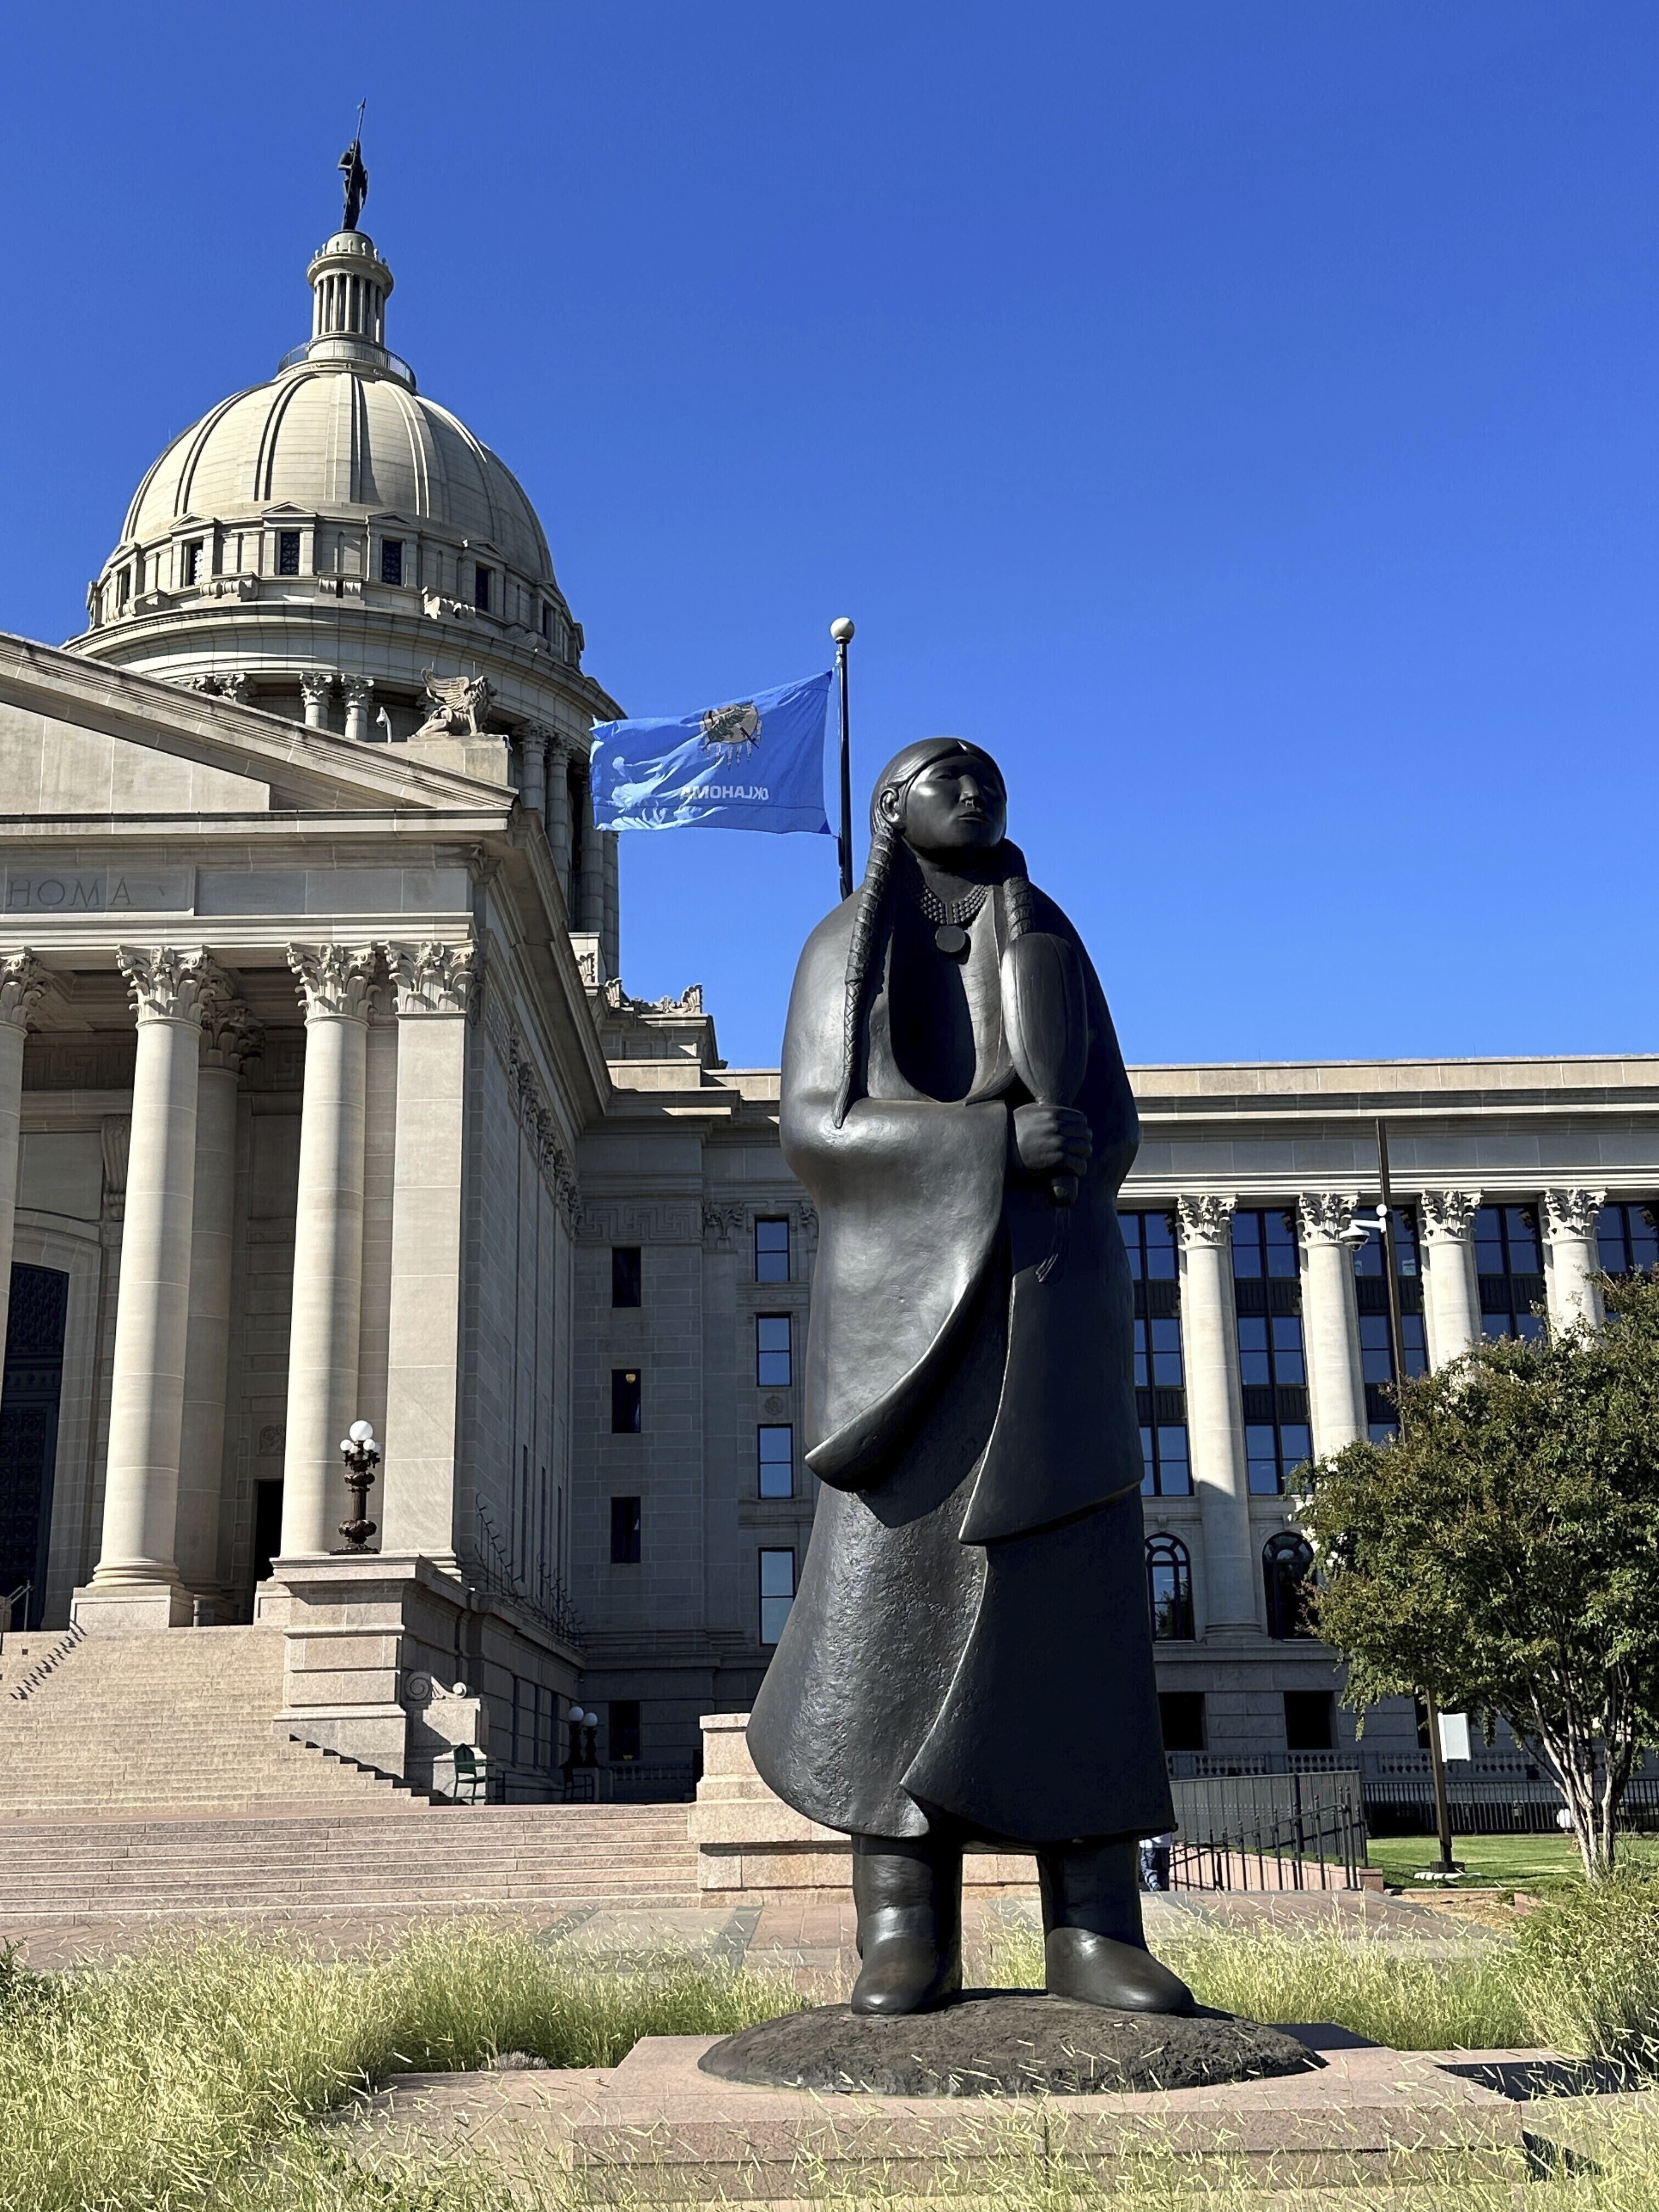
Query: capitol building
322	1100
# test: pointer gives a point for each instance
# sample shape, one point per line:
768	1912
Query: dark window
1271	1365
771	1251
777	1460
625	1729
193	562
625	1275
392	560
1309	1720
772	1351
481	580
1627	1238
1160	1376
777	1592
1286	1571
288	553
1169	1589
625	1401
123	587
267	1528
1376	1342
29	1431
625	1531
1181	1713
1511	1264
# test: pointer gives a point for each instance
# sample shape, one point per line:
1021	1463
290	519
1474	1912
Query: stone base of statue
1004	2043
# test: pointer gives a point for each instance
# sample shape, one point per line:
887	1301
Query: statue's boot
908	1895
1095	1945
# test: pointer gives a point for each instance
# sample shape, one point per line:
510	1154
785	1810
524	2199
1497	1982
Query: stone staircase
359	1867
176	1722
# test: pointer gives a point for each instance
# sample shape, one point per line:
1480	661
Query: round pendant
949	938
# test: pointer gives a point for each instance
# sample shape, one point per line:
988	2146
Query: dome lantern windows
483	587
190	563
392	560
288	552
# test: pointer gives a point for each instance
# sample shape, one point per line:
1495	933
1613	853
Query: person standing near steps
970	1657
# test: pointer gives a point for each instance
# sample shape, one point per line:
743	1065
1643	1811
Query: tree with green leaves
1502	1554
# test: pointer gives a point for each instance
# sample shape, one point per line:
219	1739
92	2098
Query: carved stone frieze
168	982
23	983
1572	1213
335	979
1206	1219
1323	1216
1448	1215
432	978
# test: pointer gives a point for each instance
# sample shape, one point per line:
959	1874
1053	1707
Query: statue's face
955	807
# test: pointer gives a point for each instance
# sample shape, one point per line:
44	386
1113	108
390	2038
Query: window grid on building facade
777	1592
1627	1236
1169	1590
776	1455
1376	1336
773	1365
1271	1361
1510	1261
771	1251
1160	1376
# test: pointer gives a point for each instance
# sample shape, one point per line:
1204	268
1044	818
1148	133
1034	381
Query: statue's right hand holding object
1053	1140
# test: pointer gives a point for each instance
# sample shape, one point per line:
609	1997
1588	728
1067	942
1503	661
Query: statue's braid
877	870
1016	907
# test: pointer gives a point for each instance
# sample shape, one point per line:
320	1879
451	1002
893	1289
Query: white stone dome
321	544
328	434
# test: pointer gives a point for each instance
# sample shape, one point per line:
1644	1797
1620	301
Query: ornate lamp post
361	1456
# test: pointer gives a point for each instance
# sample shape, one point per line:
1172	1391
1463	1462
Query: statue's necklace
949	916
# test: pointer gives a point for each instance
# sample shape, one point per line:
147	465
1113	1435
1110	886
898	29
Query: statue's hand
1053	1140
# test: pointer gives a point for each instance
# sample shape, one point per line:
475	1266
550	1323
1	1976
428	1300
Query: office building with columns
321	1099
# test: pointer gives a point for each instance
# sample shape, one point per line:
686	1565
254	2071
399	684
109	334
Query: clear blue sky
1239	416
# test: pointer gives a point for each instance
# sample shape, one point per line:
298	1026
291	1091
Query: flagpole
842	631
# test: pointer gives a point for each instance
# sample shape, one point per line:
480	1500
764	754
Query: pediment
79	737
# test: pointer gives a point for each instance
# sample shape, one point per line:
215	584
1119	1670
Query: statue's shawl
911	1223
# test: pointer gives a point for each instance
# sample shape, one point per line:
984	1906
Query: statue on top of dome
355	175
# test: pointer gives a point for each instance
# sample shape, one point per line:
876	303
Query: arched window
1286	1569
1169	1590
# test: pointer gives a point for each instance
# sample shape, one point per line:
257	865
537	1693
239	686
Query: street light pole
1397	1348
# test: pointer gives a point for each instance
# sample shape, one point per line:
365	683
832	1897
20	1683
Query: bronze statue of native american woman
970	1657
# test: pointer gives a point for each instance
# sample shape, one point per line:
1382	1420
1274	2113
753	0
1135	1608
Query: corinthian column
135	1584
532	769
422	1372
22	980
228	1039
590	898
611	909
559	835
359	697
1330	1321
335	980
1452	1288
314	688
1575	1261
1215	1415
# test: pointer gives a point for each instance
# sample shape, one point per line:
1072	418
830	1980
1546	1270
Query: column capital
167	983
230	1034
358	690
1323	1216
316	683
335	979
23	982
432	978
1572	1213
1448	1215
1206	1219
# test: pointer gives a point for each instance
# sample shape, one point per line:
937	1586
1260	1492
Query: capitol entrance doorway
28	1436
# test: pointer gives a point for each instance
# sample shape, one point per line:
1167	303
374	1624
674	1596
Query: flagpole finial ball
842	630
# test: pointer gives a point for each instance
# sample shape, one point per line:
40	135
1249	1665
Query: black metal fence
1283	1832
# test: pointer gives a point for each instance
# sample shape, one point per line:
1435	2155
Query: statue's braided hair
885	843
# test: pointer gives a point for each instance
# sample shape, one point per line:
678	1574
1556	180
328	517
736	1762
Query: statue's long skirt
1008	1687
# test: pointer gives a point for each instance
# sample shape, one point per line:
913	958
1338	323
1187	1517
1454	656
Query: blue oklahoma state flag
755	764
